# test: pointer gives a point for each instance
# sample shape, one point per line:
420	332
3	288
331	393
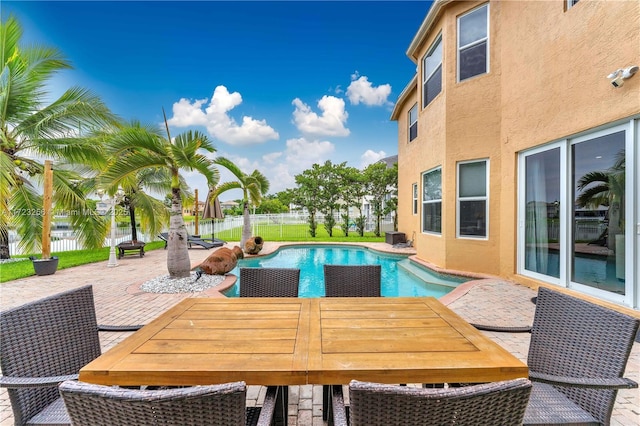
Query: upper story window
432	72
473	43
413	122
571	3
414	191
473	199
432	201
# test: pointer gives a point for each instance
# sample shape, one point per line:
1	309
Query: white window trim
411	123
425	78
414	197
571	3
459	48
439	200
481	198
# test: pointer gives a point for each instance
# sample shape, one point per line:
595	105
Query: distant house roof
389	161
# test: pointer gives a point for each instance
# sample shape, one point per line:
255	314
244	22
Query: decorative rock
221	261
253	245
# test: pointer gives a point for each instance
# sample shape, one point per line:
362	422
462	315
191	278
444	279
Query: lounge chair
206	243
374	404
222	404
44	343
577	356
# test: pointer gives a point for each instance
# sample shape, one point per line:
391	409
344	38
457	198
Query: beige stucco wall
547	81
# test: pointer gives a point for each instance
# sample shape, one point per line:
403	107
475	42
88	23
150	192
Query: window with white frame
473	43
473	199
413	122
571	3
432	72
432	201
414	191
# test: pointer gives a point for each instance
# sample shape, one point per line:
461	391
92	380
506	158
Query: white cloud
361	90
330	123
271	158
217	120
281	167
370	157
301	153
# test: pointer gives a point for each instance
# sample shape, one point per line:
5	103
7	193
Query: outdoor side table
130	246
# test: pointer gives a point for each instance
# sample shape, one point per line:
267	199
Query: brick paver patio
119	300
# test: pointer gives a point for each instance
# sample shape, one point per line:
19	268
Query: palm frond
77	108
229	165
224	187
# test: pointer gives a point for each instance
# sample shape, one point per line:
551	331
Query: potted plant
47	264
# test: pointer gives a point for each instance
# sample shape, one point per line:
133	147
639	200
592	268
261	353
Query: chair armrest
269	406
338	411
34	382
500	329
102	327
584	382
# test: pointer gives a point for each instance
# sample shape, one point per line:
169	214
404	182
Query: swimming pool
400	276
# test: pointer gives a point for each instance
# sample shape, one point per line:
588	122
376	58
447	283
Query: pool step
429	276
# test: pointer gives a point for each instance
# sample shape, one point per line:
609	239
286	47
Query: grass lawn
299	232
294	233
14	270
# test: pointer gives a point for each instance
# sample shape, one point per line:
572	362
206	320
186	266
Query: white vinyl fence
65	239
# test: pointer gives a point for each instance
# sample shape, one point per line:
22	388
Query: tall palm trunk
4	244
246	227
178	263
132	218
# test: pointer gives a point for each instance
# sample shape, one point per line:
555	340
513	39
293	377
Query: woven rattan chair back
269	282
55	336
490	404
352	280
96	405
574	338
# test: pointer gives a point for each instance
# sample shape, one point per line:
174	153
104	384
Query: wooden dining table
297	341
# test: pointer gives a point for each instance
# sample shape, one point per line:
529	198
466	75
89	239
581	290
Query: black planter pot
45	266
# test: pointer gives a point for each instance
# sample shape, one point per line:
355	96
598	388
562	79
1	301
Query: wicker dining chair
269	282
374	404
577	357
220	405
352	280
43	343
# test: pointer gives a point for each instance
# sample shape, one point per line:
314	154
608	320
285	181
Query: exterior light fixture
618	76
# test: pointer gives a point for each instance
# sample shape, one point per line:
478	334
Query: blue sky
277	86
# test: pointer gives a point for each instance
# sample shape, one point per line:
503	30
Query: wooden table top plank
364	323
157	346
203	334
250	323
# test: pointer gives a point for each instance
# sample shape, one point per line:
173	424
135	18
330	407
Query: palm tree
253	186
31	130
606	188
136	150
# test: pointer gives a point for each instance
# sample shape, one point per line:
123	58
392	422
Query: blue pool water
400	277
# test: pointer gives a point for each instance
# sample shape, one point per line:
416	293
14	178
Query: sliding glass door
575	198
598	240
542	213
